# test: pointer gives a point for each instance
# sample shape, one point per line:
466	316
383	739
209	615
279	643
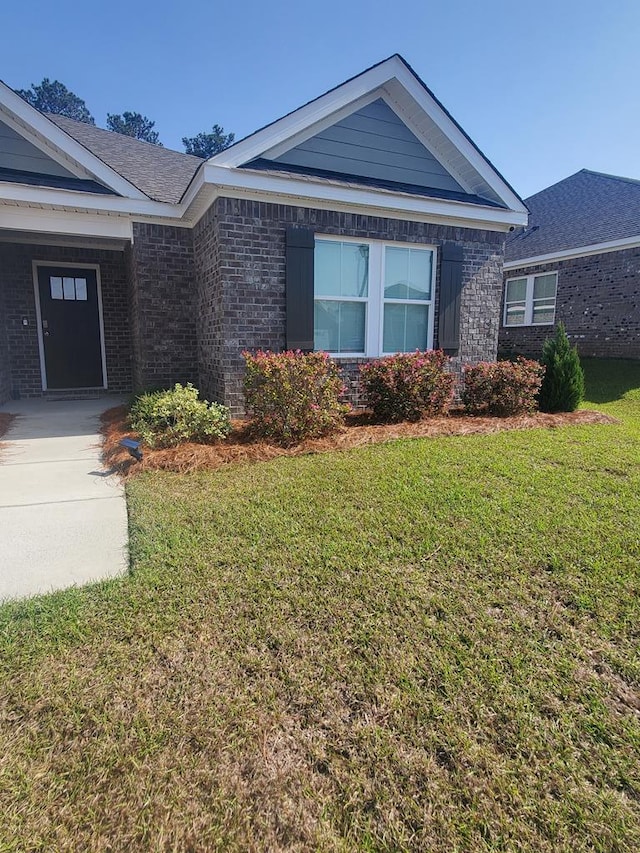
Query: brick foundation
240	272
598	301
18	298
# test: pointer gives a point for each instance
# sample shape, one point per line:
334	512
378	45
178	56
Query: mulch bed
360	430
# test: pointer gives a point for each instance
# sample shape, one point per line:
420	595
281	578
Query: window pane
544	286
339	326
327	269
69	288
396	273
355	270
515	314
56	287
81	289
407	273
420	261
544	310
517	290
341	269
352	318
405	327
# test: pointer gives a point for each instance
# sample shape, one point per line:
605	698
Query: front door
70	320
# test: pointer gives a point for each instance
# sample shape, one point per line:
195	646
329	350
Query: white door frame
36	288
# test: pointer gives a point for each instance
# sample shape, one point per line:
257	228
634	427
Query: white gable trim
579	252
350	96
57	144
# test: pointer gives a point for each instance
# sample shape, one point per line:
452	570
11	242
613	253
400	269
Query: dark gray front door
70	320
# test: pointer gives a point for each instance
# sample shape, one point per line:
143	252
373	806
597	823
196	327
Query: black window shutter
450	295
299	288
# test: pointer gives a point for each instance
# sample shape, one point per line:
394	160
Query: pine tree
563	384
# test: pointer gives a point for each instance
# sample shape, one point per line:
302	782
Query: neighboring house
364	222
577	261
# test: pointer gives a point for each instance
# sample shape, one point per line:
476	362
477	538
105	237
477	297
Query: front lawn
425	645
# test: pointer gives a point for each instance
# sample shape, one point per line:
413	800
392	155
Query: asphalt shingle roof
583	209
160	173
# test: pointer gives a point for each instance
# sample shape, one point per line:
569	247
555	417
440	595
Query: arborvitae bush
562	388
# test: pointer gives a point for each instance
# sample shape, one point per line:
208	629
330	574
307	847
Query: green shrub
408	386
562	388
502	388
168	418
293	395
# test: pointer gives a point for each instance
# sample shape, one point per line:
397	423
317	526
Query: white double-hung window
372	298
531	300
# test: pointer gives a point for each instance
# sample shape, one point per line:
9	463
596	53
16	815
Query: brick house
578	261
364	222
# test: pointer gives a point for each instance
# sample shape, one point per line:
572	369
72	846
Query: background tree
207	144
54	97
135	125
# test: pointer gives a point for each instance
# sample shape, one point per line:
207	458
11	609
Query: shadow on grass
607	380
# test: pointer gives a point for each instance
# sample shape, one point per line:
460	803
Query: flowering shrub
167	418
502	388
407	387
293	395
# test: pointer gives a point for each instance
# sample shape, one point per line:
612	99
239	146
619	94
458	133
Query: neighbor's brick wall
162	304
16	287
240	269
598	301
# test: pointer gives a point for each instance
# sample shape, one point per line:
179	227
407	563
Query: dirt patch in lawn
360	430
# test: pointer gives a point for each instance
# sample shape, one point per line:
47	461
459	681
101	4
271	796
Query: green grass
425	645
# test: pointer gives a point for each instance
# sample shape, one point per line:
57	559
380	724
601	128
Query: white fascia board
46	130
65	222
578	252
50	196
458	138
380	202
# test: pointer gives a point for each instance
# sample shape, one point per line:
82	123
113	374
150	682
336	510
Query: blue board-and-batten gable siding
372	143
19	154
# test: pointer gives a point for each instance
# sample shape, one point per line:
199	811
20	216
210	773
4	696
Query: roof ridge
611	177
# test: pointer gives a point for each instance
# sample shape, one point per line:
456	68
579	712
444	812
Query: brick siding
162	304
17	293
240	270
598	300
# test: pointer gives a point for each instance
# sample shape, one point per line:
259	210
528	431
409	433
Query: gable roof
585	209
394	82
160	173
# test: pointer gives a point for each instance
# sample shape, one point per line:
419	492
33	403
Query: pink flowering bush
408	387
293	395
502	388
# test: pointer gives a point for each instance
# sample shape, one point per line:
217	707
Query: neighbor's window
531	300
372	298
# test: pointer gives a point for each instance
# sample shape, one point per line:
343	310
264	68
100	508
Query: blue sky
544	88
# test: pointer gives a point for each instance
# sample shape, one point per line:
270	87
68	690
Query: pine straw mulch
359	431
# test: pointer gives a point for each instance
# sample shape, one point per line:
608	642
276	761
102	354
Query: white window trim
375	301
528	308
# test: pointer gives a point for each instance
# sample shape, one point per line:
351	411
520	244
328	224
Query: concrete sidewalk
63	519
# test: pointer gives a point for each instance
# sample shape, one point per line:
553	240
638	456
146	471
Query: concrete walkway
63	519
